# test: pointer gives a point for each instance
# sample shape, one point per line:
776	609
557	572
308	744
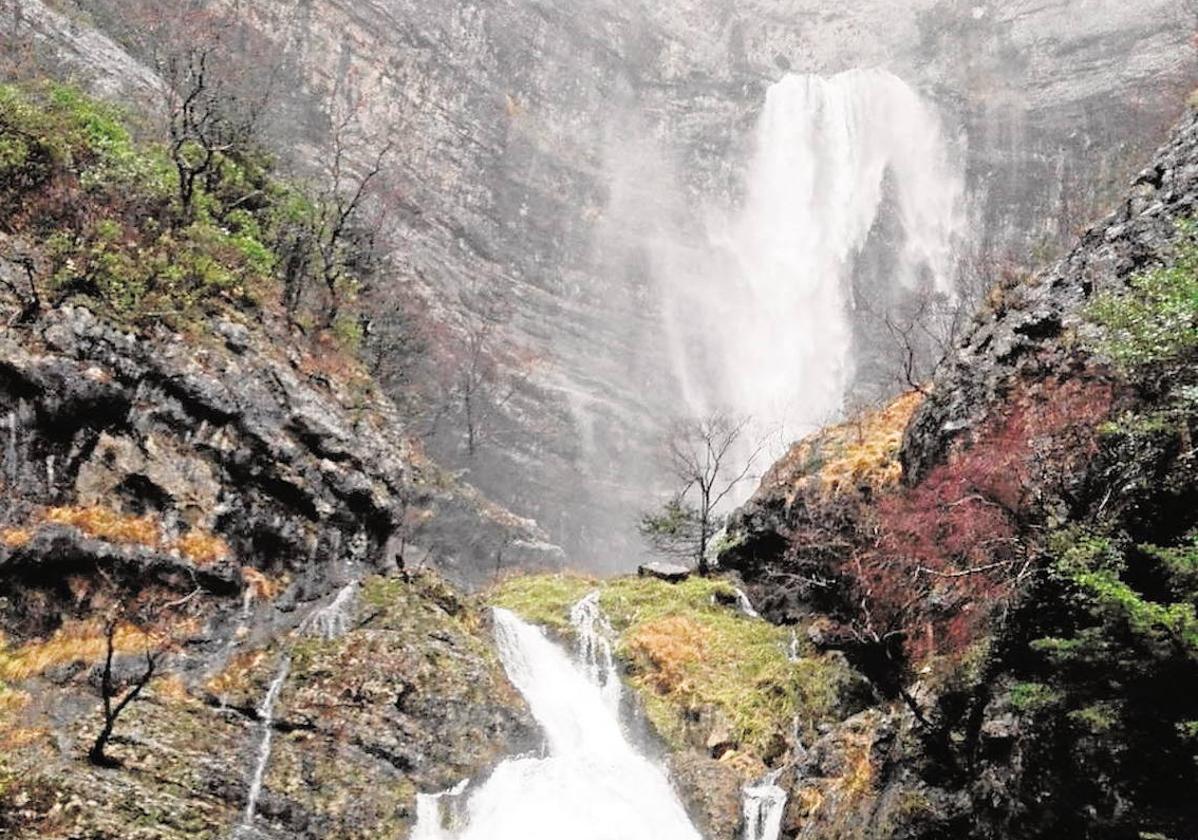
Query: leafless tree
480	370
343	242
702	456
216	98
337	246
117	698
923	328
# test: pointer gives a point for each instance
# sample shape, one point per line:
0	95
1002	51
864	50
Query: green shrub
107	209
1156	319
1032	696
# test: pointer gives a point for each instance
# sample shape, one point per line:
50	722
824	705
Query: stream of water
266	711
591	783
764	806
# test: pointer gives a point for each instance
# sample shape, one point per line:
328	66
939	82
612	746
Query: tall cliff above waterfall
571	158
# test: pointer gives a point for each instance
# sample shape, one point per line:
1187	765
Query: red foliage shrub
948	551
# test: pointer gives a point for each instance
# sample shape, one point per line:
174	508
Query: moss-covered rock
710	678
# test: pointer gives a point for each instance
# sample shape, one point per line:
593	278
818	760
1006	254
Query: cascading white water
745	605
794	651
332	620
329	621
591	785
764	806
596	648
760	320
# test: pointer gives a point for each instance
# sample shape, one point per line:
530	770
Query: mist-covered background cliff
547	155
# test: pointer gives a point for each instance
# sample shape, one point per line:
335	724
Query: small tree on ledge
701	455
116	698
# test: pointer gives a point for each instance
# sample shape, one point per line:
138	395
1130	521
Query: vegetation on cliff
193	459
90	211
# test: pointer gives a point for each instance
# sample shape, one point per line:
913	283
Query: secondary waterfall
329	621
764	807
591	784
596	648
760	319
266	712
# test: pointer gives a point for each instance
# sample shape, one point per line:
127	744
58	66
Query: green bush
1156	319
107	209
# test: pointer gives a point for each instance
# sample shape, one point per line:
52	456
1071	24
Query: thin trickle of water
764	806
794	651
745	605
266	711
591	785
332	621
10	449
596	647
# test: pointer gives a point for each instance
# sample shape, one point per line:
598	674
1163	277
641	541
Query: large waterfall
760	320
591	783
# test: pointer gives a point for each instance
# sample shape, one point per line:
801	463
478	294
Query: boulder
669	572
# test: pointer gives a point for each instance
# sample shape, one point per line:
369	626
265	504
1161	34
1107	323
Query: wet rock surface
975	749
410	699
1028	329
297	472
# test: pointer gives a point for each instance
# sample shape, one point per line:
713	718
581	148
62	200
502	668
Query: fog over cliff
640	181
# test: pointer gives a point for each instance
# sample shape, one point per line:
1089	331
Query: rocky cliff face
543	149
216	537
262	499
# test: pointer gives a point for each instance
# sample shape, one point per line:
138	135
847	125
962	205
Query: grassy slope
689	653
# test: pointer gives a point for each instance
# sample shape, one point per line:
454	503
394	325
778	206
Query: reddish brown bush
942	555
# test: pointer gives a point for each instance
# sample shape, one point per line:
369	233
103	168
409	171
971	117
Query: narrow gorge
609	420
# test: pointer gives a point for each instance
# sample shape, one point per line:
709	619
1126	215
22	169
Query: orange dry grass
15	537
171	689
106	524
11	703
836	796
20	737
236	674
859	777
76	641
202	548
102	523
670	645
859	452
259	586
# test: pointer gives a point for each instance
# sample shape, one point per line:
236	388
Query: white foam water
764	807
745	605
266	710
332	620
596	648
592	784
